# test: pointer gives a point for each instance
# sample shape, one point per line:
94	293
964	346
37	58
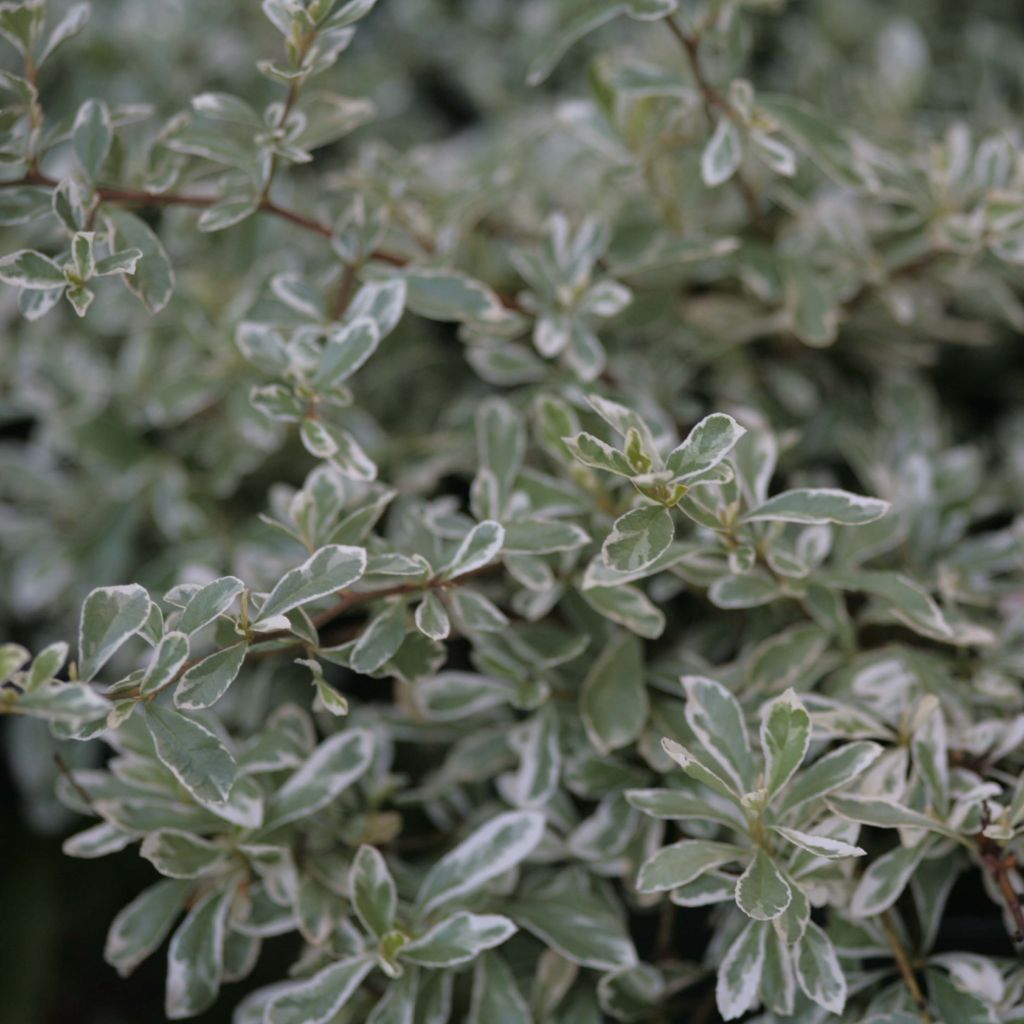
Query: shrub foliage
575	566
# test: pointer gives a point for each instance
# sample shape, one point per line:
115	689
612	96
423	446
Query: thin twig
72	781
999	862
905	967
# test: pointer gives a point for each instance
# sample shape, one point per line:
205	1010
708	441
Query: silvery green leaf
540	536
398	1004
329	699
27	268
638	538
911	604
884	880
318	999
123	262
705	446
684	861
884	813
750	590
67	28
372	890
931	754
167	659
820	846
575	28
224	107
785	737
682	804
64	702
458	939
12	658
45	666
330	769
195	957
211	600
501	442
450	696
110	615
830	772
717	721
440	294
346	349
144	924
380	639
227	213
723	153
194	754
536	743
431	617
97	841
593	452
705	890
491	850
818	970
331	569
91	136
382	301
698	770
762	892
819	505
153	280
628	606
739	974
179	854
476	549
207	681
576	923
953	1003
496	996
613	700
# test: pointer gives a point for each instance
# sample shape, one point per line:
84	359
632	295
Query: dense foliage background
831	255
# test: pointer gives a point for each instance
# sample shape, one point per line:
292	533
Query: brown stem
999	863
905	967
714	100
72	781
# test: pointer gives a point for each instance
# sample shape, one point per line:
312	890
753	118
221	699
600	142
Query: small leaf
628	606
593	452
722	154
818	970
458	939
476	550
761	892
717	721
195	957
208	602
372	891
153	280
319	999
739	975
785	737
346	350
829	773
194	755
613	700
329	570
91	136
205	683
820	846
380	640
431	617
491	850
705	446
813	505
143	925
170	654
638	538
110	615
27	268
684	861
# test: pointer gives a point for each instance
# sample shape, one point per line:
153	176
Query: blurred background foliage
124	455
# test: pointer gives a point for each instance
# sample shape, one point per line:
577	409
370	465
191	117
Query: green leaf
372	891
64	702
628	606
91	136
380	640
27	268
347	348
142	926
884	880
739	974
431	617
205	683
440	294
829	773
153	280
539	536
319	999
208	602
329	570
110	615
179	854
477	549
722	155
818	971
494	848
717	721
536	743
820	846
761	892
593	452
170	654
330	769
910	603
194	755
195	957
813	505
684	861
67	28
705	446
785	737
638	538
458	939
883	812
593	15
613	700
45	666
12	657
496	996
